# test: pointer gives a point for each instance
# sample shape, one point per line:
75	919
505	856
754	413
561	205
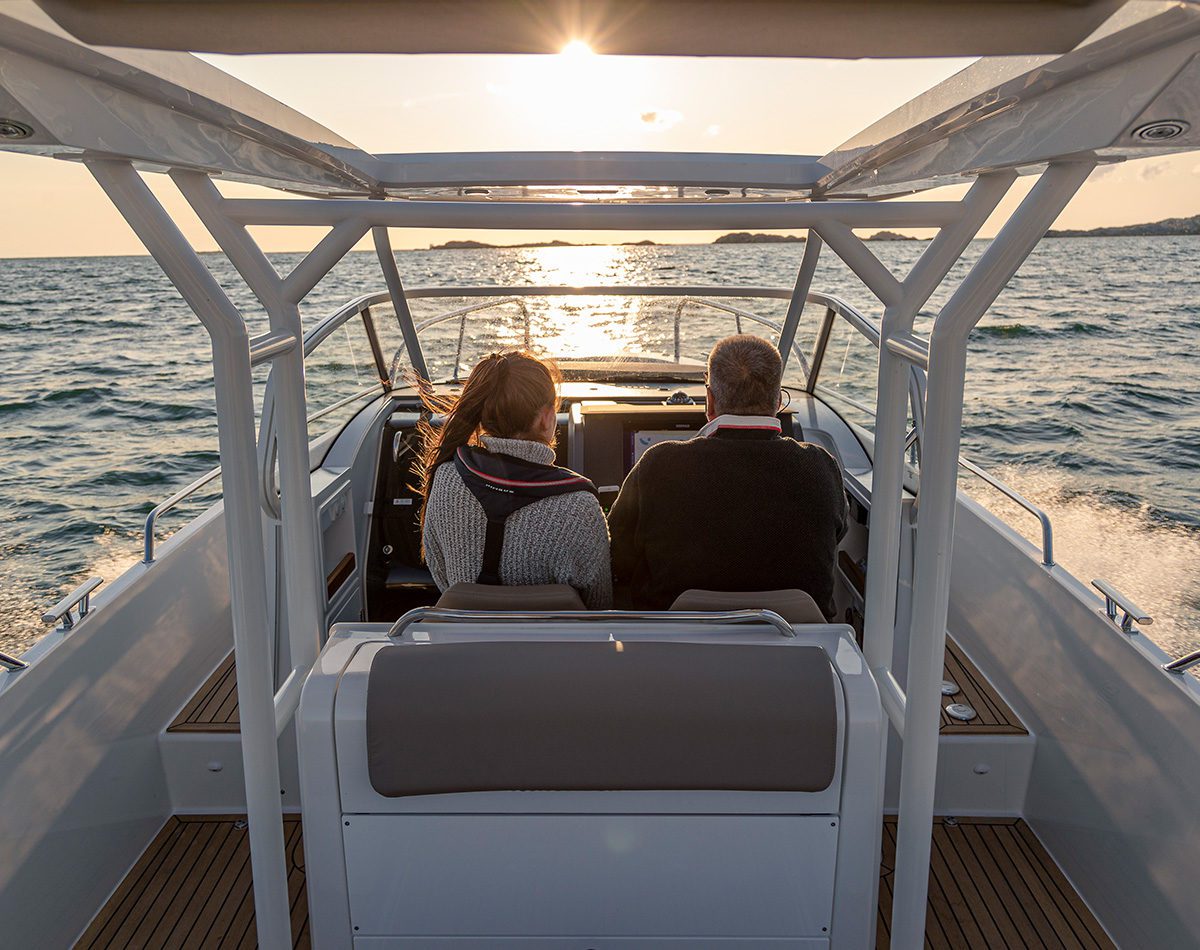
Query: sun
576	49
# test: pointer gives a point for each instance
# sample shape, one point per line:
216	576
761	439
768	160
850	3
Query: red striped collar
729	421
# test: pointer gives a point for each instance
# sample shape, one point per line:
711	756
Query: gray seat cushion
794	606
595	715
526	597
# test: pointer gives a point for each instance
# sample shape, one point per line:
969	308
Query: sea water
1082	393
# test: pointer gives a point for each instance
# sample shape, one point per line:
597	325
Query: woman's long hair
502	397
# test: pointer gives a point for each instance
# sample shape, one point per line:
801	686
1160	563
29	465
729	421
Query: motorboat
268	731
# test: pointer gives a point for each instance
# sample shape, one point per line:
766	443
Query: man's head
745	373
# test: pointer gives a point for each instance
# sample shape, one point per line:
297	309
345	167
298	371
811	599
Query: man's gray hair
745	373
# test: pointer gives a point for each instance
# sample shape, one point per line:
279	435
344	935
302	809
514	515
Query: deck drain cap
960	711
949	688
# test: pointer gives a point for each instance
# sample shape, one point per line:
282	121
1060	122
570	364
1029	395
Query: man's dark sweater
741	510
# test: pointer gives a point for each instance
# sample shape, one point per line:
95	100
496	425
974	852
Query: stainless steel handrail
165	506
81	595
1114	600
12	664
1014	495
1183	664
372	390
601	290
672	617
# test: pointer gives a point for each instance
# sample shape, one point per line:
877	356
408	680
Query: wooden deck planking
214	708
192	889
995	716
992	885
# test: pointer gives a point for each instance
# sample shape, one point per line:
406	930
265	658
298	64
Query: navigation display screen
642	440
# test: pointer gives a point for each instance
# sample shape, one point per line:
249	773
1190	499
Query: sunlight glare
576	49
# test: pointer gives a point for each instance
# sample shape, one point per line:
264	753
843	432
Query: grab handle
418	614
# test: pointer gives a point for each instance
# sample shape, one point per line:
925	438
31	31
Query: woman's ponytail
502	397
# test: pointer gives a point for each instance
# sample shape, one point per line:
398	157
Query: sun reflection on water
602	326
578	326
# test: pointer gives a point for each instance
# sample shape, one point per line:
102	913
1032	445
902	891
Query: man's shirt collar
767	425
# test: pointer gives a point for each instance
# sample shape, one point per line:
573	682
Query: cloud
713	131
1150	170
661	119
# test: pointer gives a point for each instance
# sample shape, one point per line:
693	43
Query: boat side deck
992	885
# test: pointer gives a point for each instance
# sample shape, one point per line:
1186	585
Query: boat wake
1146	557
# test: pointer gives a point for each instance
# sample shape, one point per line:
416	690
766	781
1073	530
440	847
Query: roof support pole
303	581
804	279
859	258
935	533
391	276
887	470
243	529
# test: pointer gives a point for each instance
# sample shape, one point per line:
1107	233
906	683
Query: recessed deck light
1161	131
12	129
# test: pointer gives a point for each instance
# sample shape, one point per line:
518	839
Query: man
740	507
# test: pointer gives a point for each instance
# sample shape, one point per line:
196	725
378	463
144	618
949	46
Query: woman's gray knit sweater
558	540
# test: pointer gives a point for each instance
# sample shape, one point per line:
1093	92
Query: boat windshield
599	335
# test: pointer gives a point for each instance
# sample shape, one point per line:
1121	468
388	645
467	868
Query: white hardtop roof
833	28
1124	90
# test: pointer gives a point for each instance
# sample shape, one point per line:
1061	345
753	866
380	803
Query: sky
575	100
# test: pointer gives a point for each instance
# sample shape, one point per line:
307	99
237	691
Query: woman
496	509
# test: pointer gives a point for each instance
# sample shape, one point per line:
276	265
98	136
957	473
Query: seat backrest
598	715
794	606
525	597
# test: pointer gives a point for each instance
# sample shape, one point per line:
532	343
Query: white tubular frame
244	535
947	357
912	706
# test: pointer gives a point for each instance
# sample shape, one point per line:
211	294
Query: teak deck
994	717
992	885
192	888
214	708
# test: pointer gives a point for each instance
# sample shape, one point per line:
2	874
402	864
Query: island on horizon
483	245
1168	227
735	237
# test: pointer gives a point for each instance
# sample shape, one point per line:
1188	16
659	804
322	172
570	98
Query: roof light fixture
1161	131
12	129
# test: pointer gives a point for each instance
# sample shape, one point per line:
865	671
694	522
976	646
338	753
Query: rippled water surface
1082	392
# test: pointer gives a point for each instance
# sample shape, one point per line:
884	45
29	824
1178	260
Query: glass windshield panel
849	372
600	337
342	366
